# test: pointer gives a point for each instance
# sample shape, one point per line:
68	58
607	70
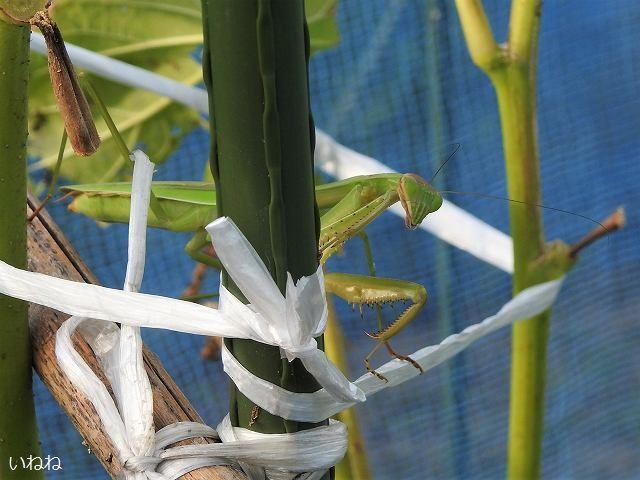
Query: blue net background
400	87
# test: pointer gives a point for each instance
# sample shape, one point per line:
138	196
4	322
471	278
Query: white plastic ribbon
278	456
262	322
290	322
128	421
313	407
288	453
119	350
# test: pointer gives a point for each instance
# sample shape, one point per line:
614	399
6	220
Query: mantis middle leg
194	249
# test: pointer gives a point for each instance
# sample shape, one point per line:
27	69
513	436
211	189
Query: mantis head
418	199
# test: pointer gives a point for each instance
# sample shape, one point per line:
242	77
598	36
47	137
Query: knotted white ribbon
290	322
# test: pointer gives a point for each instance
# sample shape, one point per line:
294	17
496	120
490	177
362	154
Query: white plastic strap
119	351
290	322
450	223
313	407
129	424
262	322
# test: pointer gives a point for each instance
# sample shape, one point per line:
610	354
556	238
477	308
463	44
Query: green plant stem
18	430
512	71
524	22
255	67
516	97
477	32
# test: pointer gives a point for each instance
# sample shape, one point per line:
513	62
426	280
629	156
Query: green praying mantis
346	207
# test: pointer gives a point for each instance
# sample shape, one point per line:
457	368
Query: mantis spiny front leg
376	291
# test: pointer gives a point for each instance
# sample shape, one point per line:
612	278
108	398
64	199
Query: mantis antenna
497	197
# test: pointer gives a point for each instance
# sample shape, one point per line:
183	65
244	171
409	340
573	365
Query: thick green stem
512	71
255	64
516	100
18	431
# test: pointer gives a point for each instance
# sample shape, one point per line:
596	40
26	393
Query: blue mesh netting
401	88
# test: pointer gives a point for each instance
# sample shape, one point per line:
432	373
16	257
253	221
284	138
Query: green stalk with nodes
511	67
18	430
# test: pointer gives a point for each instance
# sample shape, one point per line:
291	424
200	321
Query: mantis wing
185	206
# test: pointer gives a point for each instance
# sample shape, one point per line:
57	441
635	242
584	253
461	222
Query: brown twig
613	222
212	349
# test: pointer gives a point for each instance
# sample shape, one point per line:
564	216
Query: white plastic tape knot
291	321
128	421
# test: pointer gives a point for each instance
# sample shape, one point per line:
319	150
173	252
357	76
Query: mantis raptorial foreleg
372	272
377	291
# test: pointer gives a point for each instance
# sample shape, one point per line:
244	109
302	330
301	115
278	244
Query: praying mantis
346	207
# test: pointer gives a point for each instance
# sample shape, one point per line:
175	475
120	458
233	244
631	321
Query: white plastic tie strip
119	351
314	407
450	223
290	322
128	421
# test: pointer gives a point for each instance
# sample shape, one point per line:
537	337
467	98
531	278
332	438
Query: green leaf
22	10
321	19
160	36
